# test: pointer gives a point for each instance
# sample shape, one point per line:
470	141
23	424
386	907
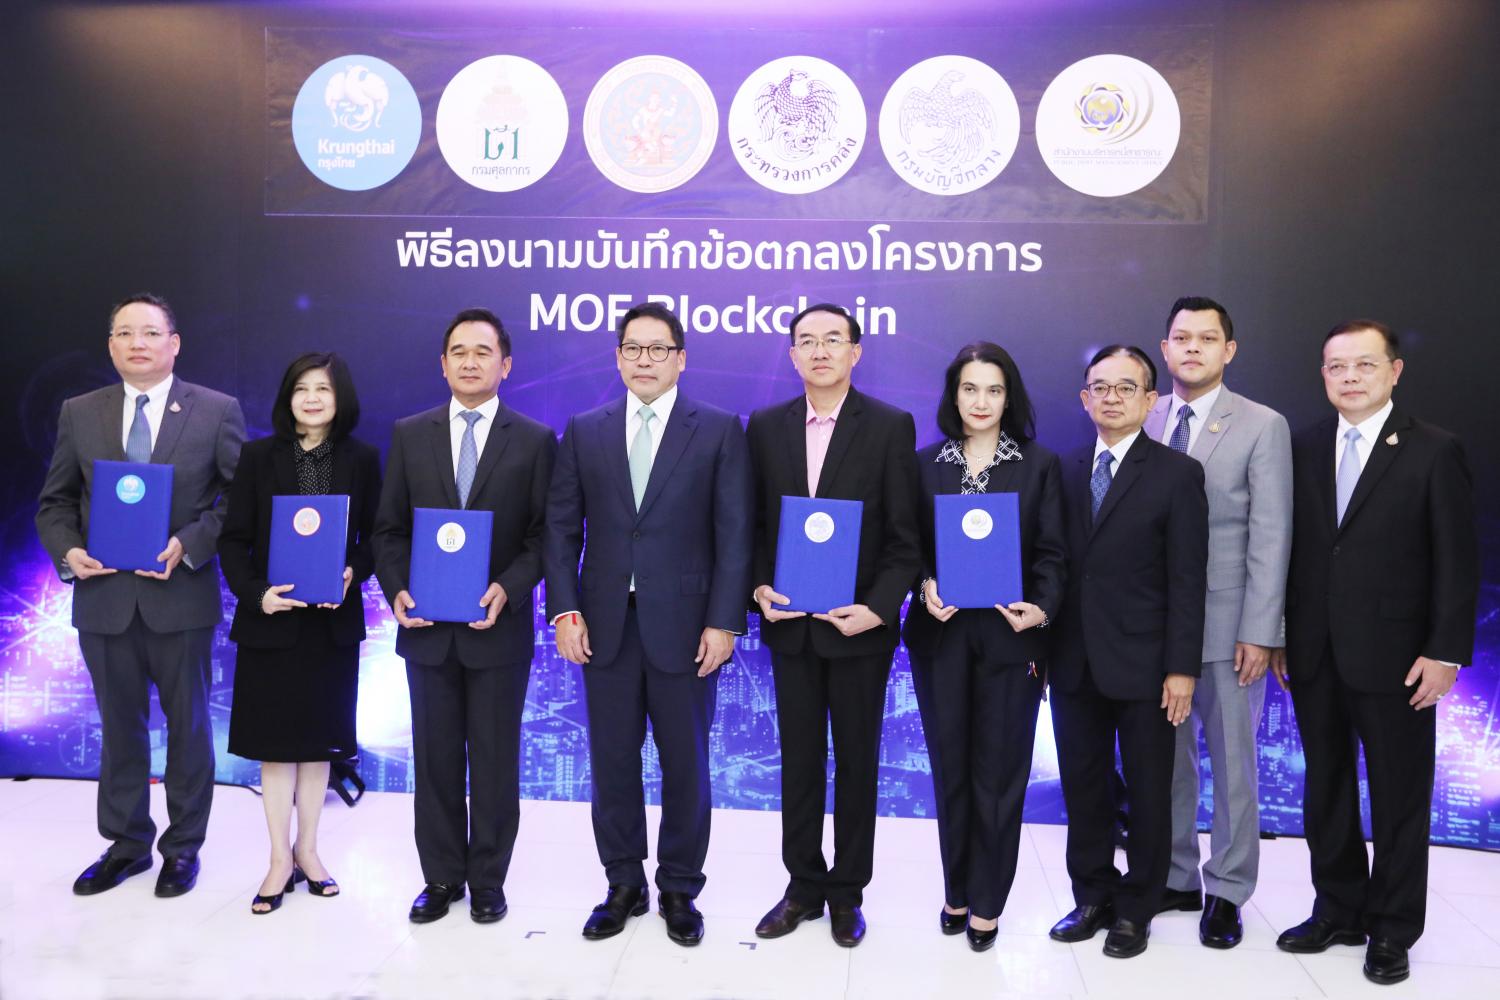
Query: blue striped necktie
468	457
1181	435
138	443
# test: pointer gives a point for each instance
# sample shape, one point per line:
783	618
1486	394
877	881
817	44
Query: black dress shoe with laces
620	904
1126	939
178	875
952	923
108	872
1314	935
1190	900
486	906
848	925
784	917
1082	923
1385	962
1220	926
433	901
684	922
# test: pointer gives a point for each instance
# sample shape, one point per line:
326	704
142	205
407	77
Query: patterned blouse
314	468
1006	450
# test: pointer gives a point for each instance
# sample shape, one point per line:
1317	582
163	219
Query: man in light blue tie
652	494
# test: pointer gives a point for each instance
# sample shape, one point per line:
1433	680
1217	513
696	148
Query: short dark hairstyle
1392	342
653	310
345	399
150	299
1128	351
828	307
479	315
1018	420
1199	303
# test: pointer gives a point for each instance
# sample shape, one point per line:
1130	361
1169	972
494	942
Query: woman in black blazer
297	667
979	673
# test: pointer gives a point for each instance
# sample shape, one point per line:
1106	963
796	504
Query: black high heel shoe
274	901
952	923
326	888
981	940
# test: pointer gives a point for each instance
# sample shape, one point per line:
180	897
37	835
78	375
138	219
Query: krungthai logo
356	122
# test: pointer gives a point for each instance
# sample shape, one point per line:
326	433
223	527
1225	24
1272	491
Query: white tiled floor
127	943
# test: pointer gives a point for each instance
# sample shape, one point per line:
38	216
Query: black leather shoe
620	904
1190	900
178	875
108	872
684	922
952	923
433	901
1126	939
982	940
784	917
848	925
1385	962
1314	935
486	906
1220	925
1082	923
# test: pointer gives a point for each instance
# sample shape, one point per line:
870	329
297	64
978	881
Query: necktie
1100	480
1180	434
640	456
468	457
1348	471
138	442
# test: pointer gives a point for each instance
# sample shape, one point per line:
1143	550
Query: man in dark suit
1381	600
468	680
661	483
833	441
1128	647
143	628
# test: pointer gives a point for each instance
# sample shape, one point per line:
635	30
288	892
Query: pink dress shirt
819	433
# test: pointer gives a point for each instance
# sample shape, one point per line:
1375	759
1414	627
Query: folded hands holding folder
817	555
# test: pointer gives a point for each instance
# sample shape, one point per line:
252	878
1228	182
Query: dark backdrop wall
1335	159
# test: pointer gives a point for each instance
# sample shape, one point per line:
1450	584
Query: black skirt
297	704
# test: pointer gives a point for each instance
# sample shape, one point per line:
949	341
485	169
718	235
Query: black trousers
812	693
1390	899
465	719
1087	725
622	695
123	668
979	717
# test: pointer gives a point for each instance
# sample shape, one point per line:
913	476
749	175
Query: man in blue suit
663	482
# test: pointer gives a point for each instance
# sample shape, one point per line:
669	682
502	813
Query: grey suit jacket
1246	451
200	437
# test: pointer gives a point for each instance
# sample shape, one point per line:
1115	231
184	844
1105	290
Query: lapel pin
175	407
1213	428
1393	439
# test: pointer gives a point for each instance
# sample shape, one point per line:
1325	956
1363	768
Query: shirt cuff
559	617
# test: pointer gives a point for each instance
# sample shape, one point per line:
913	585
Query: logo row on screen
1107	125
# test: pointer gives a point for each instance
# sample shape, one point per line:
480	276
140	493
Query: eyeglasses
124	333
1101	390
807	345
656	352
1338	369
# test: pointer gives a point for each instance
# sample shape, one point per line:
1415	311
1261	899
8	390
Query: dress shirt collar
1369	428
1119	449
661	408
1203	406
158	392
812	414
488	409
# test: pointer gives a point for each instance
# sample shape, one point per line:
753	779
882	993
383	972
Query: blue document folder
817	552
308	535
450	563
130	514
978	549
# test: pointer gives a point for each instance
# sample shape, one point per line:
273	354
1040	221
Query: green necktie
640	456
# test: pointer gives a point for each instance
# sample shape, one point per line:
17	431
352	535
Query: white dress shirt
1369	432
662	412
456	427
1202	407
156	408
1119	448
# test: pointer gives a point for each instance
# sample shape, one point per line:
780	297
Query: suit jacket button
635	534
1335	550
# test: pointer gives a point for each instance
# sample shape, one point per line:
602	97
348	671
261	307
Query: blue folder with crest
308	536
978	549
130	514
817	552
450	563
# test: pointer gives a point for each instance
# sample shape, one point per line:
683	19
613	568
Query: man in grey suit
143	628
1246	453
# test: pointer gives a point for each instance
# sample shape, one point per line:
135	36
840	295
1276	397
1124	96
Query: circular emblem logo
797	124
306	521
502	123
130	489
650	124
978	524
450	537
1108	125
356	122
818	527
949	125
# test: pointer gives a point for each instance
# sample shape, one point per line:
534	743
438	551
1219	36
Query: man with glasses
833	441
652	493
1380	608
1128	647
144	627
